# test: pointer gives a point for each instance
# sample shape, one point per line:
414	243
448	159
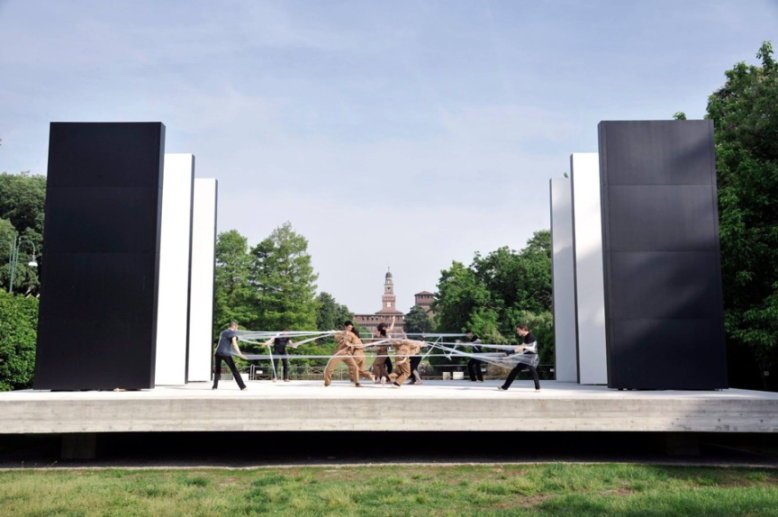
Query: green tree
330	315
499	290
745	116
18	326
284	281
22	199
417	320
234	295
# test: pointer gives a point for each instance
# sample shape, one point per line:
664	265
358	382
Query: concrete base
433	406
80	446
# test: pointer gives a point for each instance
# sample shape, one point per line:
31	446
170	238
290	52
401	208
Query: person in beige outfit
403	349
348	343
381	363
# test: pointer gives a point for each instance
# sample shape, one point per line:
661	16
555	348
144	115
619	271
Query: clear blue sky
393	133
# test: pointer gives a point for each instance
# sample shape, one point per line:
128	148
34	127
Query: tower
388	299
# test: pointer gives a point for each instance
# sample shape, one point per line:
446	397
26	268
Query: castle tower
388	299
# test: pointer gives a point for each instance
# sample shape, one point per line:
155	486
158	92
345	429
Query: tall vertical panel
97	319
662	264
563	274
203	260
174	259
589	285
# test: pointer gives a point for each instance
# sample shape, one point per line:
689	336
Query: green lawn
552	489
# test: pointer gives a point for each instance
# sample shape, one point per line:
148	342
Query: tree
234	294
417	321
679	115
22	199
284	281
330	314
499	290
745	115
18	325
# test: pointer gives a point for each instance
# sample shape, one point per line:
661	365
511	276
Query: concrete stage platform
433	406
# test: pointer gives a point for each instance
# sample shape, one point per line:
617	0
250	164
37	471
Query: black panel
97	320
660	152
662	272
673	354
680	215
656	285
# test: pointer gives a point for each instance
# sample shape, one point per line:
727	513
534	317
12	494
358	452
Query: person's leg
401	372
359	361
535	376
235	372
388	365
471	369
478	373
285	362
415	375
333	363
217	368
511	376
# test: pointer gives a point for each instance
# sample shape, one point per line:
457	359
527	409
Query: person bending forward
348	342
403	350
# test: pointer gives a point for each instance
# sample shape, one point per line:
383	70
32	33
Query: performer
228	346
279	349
528	345
403	348
381	364
415	375
474	365
348	342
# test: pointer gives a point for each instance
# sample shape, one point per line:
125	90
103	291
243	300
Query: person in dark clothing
474	365
415	375
527	345
228	346
279	349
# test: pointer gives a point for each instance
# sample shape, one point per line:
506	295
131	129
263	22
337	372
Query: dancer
279	349
415	375
381	364
529	346
228	346
474	365
348	342
403	349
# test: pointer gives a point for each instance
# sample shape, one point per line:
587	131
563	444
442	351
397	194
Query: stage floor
432	406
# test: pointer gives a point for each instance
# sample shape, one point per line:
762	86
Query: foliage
18	324
540	489
330	315
233	292
417	320
745	116
22	199
284	281
496	292
270	286
486	296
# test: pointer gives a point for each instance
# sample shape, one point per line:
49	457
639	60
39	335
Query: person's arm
236	348
391	327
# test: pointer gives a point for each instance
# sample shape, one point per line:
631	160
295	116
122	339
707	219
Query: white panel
565	346
590	290
203	259
174	251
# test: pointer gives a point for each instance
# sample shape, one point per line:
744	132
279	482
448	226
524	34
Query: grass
553	489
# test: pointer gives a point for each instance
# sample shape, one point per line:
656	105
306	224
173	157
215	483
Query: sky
402	134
